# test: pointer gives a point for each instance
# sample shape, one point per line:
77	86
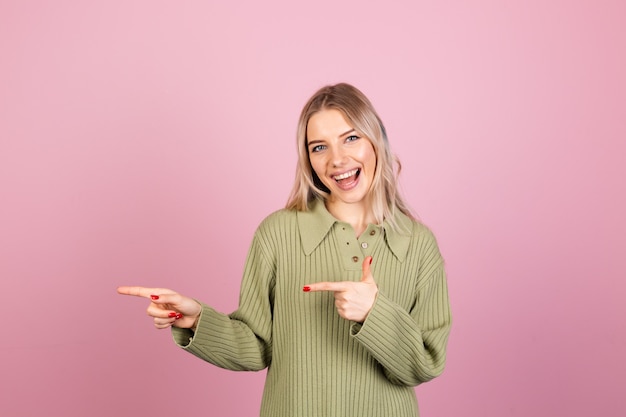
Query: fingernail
179	316
154	297
371	259
172	314
306	288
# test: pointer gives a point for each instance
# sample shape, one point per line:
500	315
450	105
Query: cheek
317	167
368	157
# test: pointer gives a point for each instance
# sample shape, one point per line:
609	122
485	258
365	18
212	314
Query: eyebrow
349	131
313	142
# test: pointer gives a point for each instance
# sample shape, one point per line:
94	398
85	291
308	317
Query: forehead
328	122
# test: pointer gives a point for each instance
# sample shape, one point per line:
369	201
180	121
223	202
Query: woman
344	296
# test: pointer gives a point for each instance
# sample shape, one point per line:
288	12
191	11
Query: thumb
367	273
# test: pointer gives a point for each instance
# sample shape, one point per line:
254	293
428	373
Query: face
344	161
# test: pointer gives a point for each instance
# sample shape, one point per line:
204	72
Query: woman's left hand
353	300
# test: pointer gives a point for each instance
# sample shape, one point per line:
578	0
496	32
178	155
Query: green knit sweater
319	364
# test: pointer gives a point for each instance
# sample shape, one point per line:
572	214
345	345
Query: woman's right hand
168	308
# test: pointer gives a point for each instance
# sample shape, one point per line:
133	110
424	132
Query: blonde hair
360	114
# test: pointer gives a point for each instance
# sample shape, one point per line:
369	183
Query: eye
317	148
352	138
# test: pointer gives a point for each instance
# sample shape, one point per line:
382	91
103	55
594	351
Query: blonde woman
344	296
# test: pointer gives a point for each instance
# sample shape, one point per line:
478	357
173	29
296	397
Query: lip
353	171
353	179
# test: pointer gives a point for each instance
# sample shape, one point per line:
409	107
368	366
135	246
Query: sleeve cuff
184	337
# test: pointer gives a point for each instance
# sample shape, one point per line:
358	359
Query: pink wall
141	142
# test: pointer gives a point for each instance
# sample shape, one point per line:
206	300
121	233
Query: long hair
360	114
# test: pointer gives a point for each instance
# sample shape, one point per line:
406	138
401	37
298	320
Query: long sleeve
410	345
241	341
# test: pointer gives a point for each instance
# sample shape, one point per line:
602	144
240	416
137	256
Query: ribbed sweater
319	364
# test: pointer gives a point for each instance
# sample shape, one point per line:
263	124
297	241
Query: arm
410	345
241	341
408	341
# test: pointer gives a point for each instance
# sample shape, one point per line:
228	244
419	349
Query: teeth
346	175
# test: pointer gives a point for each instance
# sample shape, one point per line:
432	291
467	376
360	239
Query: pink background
141	142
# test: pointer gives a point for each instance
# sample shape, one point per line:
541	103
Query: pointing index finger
325	286
140	291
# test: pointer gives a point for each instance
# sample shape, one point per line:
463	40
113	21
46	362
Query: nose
338	157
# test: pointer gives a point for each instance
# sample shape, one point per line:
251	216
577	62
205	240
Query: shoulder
421	232
279	217
410	229
422	243
274	234
277	222
424	246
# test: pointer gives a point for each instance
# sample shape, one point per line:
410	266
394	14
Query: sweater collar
315	224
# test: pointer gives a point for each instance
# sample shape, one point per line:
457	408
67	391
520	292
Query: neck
357	215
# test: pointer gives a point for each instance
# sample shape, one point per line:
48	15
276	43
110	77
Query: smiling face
343	160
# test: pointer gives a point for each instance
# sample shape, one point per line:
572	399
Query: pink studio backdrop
141	142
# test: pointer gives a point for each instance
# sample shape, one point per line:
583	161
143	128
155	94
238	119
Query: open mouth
347	179
346	175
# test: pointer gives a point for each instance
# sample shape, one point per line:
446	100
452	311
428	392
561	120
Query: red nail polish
154	297
172	314
179	316
306	288
371	259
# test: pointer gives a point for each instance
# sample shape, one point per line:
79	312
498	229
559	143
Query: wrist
197	319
